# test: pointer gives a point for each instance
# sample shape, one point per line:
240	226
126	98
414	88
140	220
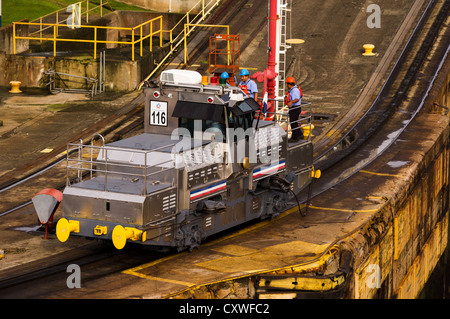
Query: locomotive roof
151	141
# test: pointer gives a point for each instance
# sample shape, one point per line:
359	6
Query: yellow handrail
133	42
136	31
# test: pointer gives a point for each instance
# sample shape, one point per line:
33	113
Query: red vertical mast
269	74
273	18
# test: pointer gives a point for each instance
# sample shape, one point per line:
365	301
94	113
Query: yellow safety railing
186	26
137	35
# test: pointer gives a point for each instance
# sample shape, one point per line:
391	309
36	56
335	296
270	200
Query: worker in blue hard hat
247	85
224	79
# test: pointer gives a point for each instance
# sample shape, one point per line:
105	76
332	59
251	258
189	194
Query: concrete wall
405	239
180	6
122	74
28	70
6	38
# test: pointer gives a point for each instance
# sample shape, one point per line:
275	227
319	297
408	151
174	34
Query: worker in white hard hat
247	85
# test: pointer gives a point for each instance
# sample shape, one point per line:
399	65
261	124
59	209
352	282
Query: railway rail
398	109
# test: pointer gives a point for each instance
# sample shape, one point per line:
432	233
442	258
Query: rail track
377	129
48	276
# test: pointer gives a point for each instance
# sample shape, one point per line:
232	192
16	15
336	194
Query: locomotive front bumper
117	233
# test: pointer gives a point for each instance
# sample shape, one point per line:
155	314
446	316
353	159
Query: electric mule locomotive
205	163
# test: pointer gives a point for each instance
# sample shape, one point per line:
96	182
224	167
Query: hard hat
244	72
224	75
290	80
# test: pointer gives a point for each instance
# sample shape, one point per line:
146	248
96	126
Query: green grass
15	10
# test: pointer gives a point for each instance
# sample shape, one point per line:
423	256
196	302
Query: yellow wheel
62	230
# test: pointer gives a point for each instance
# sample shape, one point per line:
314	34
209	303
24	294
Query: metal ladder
284	10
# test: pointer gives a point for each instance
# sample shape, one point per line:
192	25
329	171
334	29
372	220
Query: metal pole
144	190
100	65
0	13
273	18
104	71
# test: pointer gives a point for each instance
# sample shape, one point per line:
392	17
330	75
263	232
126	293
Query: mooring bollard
15	87
368	49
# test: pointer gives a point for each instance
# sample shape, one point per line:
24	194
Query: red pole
273	18
269	74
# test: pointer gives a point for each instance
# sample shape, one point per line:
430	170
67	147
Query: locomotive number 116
158	113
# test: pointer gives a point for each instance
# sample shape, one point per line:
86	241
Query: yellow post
87	11
54	40
203	9
57	21
132	44
171	40
185	46
151	36
160	31
14	37
101	8
95	42
40	30
140	44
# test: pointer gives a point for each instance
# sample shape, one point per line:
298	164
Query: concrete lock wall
395	252
122	74
179	6
6	36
